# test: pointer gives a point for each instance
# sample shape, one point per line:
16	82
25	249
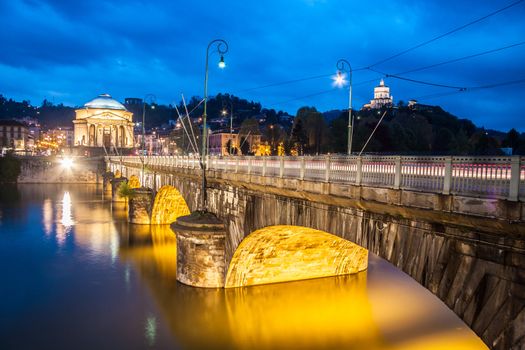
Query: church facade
103	122
382	97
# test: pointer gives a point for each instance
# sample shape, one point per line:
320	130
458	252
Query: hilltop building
382	97
103	122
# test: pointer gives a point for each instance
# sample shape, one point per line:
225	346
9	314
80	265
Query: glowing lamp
224	112
67	163
339	79
222	64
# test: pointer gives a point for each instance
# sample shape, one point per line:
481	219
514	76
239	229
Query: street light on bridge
221	47
343	66
152	98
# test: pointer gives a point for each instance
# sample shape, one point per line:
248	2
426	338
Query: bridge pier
201	250
140	206
115	184
106	182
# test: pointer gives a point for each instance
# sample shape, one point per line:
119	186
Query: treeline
403	130
420	129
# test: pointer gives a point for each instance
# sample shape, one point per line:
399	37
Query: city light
339	79
67	163
222	64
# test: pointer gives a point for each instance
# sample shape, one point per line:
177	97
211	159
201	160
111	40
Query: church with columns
382	97
103	123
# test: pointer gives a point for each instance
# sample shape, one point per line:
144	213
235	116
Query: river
76	275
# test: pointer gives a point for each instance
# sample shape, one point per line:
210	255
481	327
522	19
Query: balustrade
490	177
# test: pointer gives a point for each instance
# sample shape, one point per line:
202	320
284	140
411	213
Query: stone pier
200	250
107	179
140	206
115	184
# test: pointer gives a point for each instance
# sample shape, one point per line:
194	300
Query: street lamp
221	47
344	66
152	99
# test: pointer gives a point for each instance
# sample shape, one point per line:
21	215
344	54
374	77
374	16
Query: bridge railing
489	177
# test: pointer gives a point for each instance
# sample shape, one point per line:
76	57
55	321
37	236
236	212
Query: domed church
103	122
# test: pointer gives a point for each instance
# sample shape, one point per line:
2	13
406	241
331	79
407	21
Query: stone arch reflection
168	206
290	253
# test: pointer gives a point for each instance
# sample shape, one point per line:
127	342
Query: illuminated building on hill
382	97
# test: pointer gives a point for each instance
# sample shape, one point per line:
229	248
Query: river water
75	275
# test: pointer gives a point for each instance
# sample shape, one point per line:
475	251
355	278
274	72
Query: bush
10	168
125	190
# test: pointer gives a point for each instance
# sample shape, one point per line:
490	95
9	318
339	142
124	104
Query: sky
71	51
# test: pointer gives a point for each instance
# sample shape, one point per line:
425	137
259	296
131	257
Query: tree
298	137
512	140
484	144
10	169
444	142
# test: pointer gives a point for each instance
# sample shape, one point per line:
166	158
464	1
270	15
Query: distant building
416	106
103	122
218	143
62	135
14	135
382	97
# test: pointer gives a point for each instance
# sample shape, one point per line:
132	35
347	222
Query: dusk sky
71	51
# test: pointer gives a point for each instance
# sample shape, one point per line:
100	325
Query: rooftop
104	101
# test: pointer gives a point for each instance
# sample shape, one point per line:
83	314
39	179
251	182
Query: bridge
454	224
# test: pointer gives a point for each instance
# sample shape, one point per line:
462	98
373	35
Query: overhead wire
473	88
398	75
446	33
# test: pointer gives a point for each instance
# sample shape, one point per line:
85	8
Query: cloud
74	50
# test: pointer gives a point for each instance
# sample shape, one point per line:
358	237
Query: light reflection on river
78	276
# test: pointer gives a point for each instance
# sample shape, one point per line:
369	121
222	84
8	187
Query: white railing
488	177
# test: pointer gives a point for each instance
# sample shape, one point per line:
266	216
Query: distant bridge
455	224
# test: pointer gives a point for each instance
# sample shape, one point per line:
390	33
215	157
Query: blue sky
70	51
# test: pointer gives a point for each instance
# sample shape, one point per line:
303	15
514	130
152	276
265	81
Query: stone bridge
454	224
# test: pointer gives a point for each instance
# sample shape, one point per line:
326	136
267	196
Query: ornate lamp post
152	99
344	66
220	47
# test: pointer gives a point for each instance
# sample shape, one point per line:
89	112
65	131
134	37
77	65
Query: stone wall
51	170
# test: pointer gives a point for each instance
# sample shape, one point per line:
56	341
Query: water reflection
113	285
47	216
327	313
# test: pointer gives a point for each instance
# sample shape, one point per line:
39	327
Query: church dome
104	101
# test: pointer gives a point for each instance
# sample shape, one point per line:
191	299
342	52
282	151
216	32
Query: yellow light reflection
67	218
331	313
289	253
323	313
47	213
168	206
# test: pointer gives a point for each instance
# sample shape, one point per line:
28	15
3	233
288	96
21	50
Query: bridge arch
168	206
289	253
134	181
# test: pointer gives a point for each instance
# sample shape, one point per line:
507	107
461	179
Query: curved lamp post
344	66
152	99
221	47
